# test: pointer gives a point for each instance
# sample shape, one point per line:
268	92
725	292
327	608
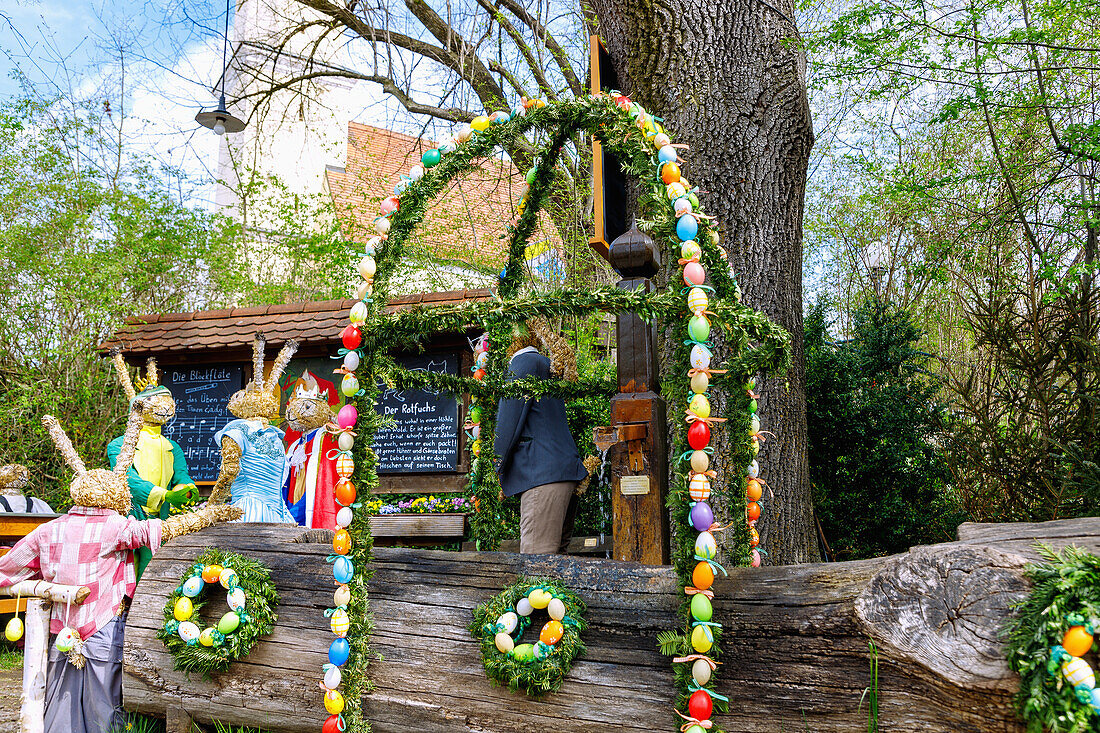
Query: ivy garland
754	343
252	599
539	667
1049	638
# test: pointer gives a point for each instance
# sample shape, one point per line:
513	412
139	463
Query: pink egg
347	416
389	205
694	274
756	558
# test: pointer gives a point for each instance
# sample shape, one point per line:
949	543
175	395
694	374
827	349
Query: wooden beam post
639	460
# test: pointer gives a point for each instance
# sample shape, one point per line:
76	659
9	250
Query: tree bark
729	80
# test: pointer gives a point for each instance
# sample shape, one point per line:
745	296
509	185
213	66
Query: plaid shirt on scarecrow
88	546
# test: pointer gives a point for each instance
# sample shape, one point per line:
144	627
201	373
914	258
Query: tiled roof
464	223
318	322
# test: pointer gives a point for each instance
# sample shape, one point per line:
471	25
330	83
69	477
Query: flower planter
436	525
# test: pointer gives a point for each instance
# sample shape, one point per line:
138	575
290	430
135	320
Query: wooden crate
431	525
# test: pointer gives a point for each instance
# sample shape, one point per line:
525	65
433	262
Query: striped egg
1078	672
345	466
340	623
697	300
700	405
706	546
699	487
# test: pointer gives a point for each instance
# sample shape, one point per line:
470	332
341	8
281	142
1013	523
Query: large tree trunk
728	80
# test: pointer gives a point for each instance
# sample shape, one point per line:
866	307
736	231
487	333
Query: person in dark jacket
537	458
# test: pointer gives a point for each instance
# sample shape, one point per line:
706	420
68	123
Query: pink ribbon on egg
690	721
695	658
691	417
691	590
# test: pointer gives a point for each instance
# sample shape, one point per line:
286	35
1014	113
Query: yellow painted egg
699	487
14	630
340	623
367	268
702	639
504	643
480	123
345	466
700	461
227	577
675	190
1077	641
697	300
556	609
700	382
539	598
334	702
689	250
475	447
183	608
206	638
1078	672
700	405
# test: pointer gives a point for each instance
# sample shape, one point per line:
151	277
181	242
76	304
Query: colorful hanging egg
752	511
344	517
14	630
187	631
229	622
382	225
193	586
753	490
754	537
367	268
699	487
482	359
344	489
430	158
756	558
700	461
334	702
700	705
699	435
334	724
347	417
700	357
345	441
667	154
701	672
341	542
670	172
211	573
752	470
206	636
339	622
690	251
341	596
687	226
702	639
389	205
694	274
236	599
345	465
333	677
183	609
351	337
504	643
480	123
339	651
700	405
660	140
703	576
551	632
675	190
698	328
524	607
1078	672
508	622
754	425
680	207
539	598
351	361
342	569
524	652
1077	641
697	301
706	546
556	609
702	516
700	382
691	729
1094	700
416	172
701	608
349	385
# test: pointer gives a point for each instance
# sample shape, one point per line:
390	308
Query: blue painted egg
667	154
193	586
339	651
343	569
687	227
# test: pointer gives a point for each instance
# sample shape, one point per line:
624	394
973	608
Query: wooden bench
14	526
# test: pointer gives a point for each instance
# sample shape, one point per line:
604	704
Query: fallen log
796	640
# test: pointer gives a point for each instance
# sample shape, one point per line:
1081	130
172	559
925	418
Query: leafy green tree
879	479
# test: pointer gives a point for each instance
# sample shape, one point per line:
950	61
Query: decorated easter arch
671	215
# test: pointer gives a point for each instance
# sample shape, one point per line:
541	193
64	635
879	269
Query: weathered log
795	643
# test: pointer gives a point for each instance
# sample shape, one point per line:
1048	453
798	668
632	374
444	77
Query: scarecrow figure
310	485
13	479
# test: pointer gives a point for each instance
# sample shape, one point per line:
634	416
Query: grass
138	723
871	692
10	659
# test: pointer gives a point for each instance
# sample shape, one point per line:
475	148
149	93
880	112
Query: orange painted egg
211	573
752	509
753	490
1077	641
702	577
551	632
341	542
345	492
754	537
670	173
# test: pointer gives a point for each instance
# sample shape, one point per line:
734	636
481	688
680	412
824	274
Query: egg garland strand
537	667
252	600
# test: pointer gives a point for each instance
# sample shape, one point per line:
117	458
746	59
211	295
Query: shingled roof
316	323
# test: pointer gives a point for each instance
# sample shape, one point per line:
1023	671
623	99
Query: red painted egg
479	374
753	511
332	725
345	492
390	205
699	705
699	435
351	337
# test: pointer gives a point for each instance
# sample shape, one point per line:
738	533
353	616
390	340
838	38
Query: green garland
535	668
257	618
1065	594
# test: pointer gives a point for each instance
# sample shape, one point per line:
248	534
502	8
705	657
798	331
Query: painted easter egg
389	205
700	405
752	511
339	623
430	158
345	465
687	226
211	573
341	596
701	608
1078	672
183	609
344	516
367	268
351	337
700	461
206	636
667	154
236	599
341	542
699	705
339	651
345	441
700	357
14	629
188	631
333	724
333	677
699	487
539	598
702	516
481	123
227	577
351	361
752	470
697	301
698	328
1077	641
504	643
706	546
703	576
695	729
754	537
701	672
342	569
670	172
694	274
229	622
660	140
675	190
753	490
382	225
680	207
756	558
556	609
192	586
551	632
524	607
349	385
508	621
1094	700
702	639
347	417
345	491
700	382
524	652
754	425
690	251
334	702
699	435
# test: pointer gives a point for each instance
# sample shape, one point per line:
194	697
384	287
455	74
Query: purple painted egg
702	516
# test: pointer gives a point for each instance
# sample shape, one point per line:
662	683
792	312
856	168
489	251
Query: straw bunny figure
158	478
311	483
13	479
93	545
254	467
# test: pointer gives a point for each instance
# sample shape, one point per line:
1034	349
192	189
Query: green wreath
1048	640
539	667
252	600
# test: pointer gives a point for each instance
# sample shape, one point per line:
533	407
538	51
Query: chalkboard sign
201	394
424	437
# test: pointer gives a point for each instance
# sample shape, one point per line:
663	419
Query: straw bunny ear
129	439
281	362
123	372
152	377
61	440
258	344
